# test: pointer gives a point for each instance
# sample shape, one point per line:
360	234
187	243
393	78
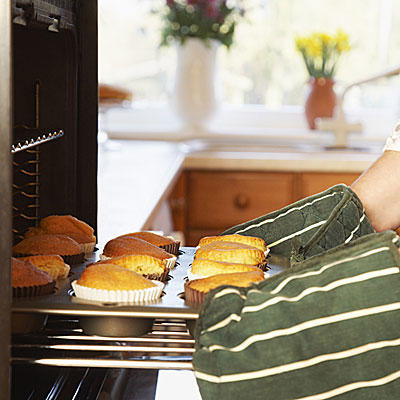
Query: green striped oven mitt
312	225
327	328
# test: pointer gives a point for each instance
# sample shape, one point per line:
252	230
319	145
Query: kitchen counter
135	177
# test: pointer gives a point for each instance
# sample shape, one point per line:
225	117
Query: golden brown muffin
52	264
231	252
69	226
60	245
112	277
148	266
201	266
196	290
248	240
169	245
27	280
128	245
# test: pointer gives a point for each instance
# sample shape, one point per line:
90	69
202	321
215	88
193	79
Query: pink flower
170	3
212	9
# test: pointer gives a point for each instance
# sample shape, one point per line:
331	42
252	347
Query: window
262	68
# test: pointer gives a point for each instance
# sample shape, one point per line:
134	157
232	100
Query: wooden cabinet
208	202
315	182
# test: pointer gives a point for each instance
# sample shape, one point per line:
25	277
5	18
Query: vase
195	94
321	100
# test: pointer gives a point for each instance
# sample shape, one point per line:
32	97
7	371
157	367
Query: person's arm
379	186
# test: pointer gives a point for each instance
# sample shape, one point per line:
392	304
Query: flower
321	52
203	19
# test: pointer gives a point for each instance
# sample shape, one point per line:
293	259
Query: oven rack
62	343
20	146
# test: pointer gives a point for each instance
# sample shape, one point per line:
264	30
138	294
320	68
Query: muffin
60	245
196	290
127	245
112	283
69	226
168	244
52	264
231	252
202	268
248	240
27	280
147	266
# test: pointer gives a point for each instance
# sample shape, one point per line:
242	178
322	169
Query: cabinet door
315	182
219	200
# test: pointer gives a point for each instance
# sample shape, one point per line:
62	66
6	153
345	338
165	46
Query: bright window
262	67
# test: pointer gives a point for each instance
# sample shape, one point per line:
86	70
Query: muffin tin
114	319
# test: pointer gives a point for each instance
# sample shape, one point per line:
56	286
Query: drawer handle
241	201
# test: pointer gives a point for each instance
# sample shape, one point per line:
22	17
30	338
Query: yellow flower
342	41
320	51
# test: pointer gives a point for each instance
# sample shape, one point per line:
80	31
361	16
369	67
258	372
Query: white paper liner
170	261
119	296
192	277
87	247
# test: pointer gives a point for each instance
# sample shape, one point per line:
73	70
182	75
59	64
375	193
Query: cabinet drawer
218	200
311	183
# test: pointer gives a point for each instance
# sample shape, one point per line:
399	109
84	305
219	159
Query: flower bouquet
202	19
321	53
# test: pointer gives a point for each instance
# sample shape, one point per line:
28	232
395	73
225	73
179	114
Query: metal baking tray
116	319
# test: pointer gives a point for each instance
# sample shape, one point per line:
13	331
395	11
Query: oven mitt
312	225
327	328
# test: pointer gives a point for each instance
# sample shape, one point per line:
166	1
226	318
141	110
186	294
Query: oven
61	349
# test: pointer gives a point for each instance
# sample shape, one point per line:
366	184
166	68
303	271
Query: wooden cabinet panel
315	182
218	200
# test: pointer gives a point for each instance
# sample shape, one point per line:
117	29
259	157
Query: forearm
379	190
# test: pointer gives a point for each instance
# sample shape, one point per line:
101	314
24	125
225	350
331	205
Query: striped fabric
327	328
312	225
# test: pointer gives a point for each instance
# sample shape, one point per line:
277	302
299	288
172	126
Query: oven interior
54	156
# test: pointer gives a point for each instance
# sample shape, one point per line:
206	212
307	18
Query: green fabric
312	225
326	328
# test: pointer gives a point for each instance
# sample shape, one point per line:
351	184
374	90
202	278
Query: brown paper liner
155	277
35	290
193	295
263	266
172	248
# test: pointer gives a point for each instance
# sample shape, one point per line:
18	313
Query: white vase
194	97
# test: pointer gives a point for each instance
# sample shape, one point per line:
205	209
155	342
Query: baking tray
118	319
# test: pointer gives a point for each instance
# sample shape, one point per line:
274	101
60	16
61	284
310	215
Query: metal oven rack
26	186
168	344
61	341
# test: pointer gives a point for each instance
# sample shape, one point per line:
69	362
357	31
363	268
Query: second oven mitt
327	328
312	225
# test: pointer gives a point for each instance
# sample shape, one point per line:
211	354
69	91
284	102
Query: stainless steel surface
5	198
170	305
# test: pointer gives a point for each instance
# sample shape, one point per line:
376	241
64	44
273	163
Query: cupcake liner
193	295
118	296
156	277
74	259
87	247
171	262
172	248
32	291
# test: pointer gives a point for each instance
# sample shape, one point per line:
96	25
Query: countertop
136	176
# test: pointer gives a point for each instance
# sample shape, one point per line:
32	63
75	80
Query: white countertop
135	177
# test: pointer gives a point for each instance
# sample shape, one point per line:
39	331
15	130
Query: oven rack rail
27	144
169	345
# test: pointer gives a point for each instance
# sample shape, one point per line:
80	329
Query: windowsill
157	122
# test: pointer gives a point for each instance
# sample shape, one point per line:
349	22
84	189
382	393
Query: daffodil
321	52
